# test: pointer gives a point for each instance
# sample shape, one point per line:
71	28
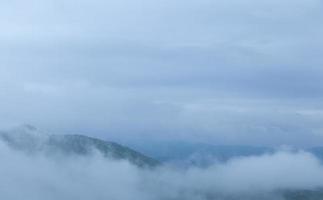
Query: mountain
203	154
303	195
317	151
198	154
30	140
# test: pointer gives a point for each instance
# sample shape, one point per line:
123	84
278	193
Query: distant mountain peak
27	138
25	128
28	127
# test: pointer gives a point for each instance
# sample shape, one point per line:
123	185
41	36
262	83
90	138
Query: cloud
109	68
94	177
39	177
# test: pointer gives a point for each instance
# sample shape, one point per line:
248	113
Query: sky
223	72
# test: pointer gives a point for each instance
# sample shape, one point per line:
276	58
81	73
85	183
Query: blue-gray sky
218	71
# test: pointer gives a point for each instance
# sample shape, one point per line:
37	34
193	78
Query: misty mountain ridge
204	154
31	140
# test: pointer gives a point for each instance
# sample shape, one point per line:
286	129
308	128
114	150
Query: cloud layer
219	71
94	177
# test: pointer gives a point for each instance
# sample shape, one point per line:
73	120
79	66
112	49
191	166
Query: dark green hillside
304	195
29	140
82	145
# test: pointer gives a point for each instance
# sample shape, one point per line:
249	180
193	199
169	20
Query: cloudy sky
217	71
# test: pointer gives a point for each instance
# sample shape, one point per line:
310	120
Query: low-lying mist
39	177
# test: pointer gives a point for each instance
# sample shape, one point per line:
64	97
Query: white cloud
93	177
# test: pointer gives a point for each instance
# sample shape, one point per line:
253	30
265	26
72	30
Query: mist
121	76
42	177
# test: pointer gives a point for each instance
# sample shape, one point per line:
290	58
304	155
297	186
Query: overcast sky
217	71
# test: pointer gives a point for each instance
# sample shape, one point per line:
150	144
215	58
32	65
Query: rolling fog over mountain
42	169
161	100
203	154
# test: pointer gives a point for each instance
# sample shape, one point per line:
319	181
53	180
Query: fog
222	72
41	177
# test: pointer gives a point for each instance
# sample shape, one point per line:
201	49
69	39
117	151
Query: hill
30	140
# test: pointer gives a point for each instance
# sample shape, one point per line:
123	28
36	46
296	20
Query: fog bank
39	177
